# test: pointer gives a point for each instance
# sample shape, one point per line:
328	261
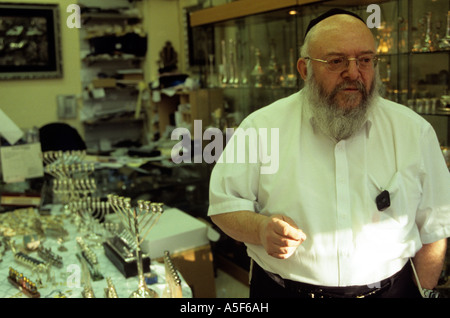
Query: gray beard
334	121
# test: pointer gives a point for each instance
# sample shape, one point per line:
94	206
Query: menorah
70	189
67	186
138	221
72	184
66	157
91	212
66	167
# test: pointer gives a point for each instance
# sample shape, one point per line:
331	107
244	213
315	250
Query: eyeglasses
340	63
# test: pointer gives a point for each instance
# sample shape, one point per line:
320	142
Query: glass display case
251	52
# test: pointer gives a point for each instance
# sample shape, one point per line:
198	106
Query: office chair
60	136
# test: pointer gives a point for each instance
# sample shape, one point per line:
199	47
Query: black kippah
328	14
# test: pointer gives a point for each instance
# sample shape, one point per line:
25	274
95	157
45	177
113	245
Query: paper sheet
21	162
8	129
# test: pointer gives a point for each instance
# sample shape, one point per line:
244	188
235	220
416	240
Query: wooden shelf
239	9
243	8
108	16
113	120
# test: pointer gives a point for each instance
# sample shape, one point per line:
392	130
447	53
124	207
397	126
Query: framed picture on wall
29	41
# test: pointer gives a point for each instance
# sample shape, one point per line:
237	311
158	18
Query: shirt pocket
397	213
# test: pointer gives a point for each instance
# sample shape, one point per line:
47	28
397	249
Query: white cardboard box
175	231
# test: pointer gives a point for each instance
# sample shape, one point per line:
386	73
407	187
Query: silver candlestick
225	67
138	221
258	72
291	79
428	43
273	70
444	43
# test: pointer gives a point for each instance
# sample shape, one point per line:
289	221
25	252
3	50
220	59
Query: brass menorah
63	157
138	221
72	184
91	212
67	168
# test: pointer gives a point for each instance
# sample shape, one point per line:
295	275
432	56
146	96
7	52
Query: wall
163	23
33	102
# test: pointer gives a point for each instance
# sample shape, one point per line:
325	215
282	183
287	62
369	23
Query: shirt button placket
344	235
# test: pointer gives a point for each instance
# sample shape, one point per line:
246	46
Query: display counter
177	233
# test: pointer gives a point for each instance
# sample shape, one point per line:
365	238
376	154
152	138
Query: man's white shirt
329	190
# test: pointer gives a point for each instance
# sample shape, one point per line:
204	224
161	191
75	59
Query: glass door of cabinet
255	60
428	77
429	58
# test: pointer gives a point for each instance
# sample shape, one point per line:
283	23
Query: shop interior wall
33	103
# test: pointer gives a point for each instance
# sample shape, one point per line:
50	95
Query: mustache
348	84
359	85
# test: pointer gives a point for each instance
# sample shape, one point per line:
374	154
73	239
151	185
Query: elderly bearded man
362	187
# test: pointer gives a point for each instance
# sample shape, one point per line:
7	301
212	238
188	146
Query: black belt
314	291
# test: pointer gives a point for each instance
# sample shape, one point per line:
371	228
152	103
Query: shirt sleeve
433	214
235	177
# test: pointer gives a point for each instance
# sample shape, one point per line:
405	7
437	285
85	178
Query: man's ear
301	68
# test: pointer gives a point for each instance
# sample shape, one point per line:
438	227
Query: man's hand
280	236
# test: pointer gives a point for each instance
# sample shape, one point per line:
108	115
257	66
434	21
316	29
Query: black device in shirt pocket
383	200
